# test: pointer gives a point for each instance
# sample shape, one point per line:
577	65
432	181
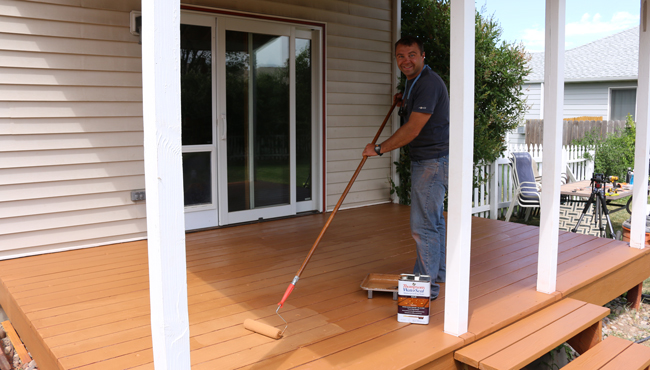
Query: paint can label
413	298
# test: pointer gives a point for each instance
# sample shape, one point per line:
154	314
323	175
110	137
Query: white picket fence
493	198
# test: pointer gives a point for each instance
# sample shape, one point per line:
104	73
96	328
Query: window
622	103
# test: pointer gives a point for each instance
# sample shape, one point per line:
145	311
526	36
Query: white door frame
205	215
292	31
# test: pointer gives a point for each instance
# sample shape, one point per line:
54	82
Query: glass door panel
267	116
303	120
197	178
258	124
197	122
196	84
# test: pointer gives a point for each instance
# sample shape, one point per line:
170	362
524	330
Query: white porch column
552	140
395	119
461	134
164	183
639	198
494	190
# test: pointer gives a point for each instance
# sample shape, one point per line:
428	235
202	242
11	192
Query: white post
397	32
164	183
589	165
461	134
640	190
494	189
551	167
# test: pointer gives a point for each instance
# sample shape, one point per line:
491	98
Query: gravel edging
628	323
7	350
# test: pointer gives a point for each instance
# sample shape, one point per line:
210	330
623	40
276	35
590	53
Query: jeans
429	179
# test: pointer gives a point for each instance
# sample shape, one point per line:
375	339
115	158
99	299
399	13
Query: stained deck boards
89	309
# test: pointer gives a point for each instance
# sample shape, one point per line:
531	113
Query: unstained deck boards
89	309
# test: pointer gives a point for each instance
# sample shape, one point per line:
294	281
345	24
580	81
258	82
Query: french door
251	107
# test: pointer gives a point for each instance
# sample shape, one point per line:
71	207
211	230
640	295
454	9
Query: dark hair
409	41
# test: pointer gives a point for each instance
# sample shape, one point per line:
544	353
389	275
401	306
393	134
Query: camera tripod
597	198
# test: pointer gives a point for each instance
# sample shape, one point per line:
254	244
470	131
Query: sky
586	20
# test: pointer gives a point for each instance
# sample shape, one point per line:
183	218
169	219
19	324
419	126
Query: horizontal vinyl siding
42	190
25	159
22	59
43	206
590	99
70	125
533	93
580	99
27	126
358	89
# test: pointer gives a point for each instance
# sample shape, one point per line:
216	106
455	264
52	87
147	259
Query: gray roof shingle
615	57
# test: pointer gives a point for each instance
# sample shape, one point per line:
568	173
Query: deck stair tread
517	345
613	353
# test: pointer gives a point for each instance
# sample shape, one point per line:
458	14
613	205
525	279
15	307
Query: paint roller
268	330
271	331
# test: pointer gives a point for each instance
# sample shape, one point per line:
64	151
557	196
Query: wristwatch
378	150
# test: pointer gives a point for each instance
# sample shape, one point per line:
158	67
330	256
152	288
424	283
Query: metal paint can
413	298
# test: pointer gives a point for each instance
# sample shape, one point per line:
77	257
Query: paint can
413	298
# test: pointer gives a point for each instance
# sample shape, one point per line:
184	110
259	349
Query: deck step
519	344
611	354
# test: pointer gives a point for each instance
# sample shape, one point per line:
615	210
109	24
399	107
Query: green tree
500	70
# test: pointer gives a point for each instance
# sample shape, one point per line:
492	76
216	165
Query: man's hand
369	150
397	99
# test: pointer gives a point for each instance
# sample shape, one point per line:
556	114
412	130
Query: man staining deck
425	108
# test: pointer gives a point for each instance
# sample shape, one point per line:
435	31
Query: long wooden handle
336	208
345	193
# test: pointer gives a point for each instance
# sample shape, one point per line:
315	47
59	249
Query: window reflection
196	84
257	98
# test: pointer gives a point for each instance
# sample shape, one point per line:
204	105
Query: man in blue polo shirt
425	109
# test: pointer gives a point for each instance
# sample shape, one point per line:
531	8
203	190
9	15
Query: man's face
410	60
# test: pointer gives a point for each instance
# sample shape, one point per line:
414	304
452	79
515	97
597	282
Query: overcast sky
586	20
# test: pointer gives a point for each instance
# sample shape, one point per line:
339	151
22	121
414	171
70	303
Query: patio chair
527	190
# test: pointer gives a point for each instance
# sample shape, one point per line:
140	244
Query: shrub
614	154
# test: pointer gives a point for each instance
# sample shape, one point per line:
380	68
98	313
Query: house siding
70	126
533	93
589	99
71	114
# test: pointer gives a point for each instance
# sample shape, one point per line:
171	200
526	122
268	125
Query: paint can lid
413	277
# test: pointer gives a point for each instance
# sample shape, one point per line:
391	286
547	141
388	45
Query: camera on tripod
597	198
601	178
598	180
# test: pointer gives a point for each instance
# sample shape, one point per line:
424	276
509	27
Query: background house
71	129
600	79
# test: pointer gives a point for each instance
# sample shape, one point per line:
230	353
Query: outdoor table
583	189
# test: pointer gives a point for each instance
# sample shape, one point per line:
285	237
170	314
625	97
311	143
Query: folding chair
527	190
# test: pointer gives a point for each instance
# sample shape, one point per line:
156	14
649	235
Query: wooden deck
89	309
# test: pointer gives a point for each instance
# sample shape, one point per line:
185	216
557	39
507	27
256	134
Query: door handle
224	126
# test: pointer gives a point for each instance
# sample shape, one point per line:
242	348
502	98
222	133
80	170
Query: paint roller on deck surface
271	331
268	330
